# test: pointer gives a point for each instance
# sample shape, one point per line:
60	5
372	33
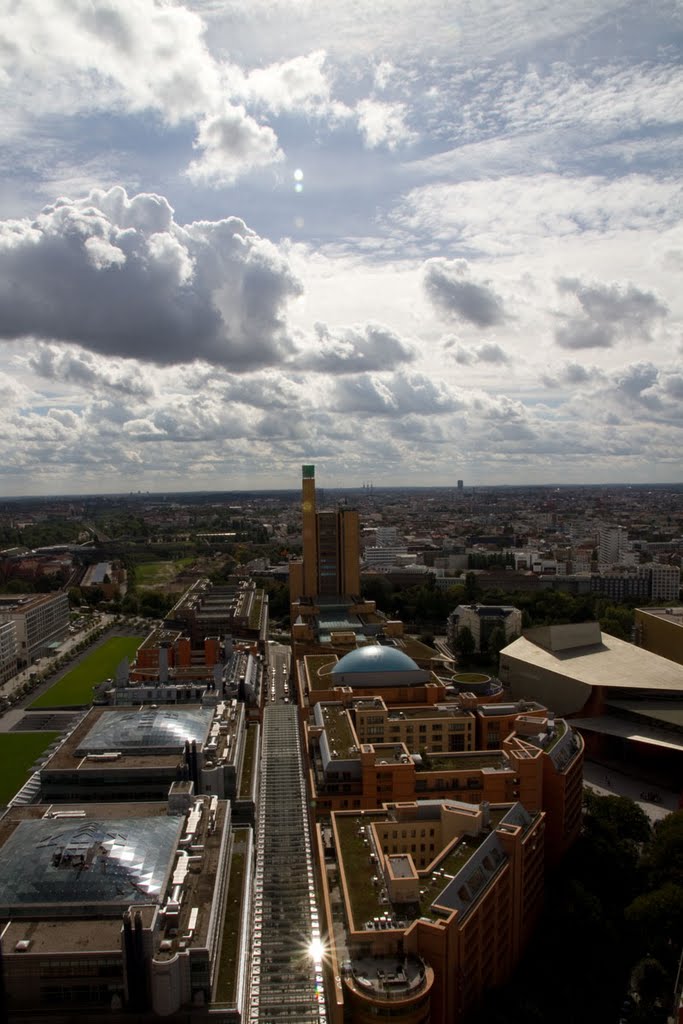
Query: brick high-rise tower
330	566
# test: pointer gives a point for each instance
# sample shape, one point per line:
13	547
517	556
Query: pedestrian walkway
606	781
286	968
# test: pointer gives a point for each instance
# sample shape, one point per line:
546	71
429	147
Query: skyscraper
330	566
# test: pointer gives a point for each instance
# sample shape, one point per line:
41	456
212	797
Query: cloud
489	352
383	124
297	86
135	56
120	277
396	396
573	374
454	294
90	372
608	313
516	213
230	144
367	348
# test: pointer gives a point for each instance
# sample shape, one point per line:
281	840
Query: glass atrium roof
151	728
119	861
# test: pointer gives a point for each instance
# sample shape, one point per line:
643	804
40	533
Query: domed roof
375	658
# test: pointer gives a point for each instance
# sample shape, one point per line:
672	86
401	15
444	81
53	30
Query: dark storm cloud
120	278
608	313
449	287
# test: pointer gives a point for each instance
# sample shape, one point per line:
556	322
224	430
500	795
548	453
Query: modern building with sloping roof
622	698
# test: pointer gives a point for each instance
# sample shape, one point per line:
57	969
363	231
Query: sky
407	243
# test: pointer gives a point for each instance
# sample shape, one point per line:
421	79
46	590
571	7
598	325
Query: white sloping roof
611	663
634	731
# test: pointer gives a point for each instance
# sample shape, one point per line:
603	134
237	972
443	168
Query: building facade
330	566
39	621
9	651
482	620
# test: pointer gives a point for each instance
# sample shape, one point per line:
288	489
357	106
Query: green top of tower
308	472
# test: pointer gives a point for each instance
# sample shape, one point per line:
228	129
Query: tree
464	642
496	641
658	917
471	588
663	858
650	981
618	814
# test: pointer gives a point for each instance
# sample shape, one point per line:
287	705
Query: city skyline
237	237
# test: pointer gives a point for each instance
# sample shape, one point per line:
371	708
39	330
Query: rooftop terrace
367	893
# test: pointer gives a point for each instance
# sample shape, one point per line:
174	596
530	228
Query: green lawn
18	752
75	688
156	574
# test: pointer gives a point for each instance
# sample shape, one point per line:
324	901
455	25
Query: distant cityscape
318	754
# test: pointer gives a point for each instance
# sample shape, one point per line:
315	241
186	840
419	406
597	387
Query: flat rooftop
672	613
474	761
338	729
362	866
428	711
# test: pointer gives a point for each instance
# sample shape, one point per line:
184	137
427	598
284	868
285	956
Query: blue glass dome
375	658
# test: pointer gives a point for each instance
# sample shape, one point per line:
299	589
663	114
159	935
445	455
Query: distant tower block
310	553
460	485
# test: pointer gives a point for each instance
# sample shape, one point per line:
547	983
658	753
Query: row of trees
427	607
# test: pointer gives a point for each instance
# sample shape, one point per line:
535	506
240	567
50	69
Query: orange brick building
428	905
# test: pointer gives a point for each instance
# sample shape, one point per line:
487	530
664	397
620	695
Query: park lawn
18	753
156	574
76	687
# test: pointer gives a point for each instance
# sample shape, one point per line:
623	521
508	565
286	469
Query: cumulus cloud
573	374
231	143
300	85
120	277
367	348
449	286
383	124
85	370
135	56
489	352
608	313
397	395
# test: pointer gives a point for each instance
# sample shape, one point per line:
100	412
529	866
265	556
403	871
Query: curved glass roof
152	729
117	861
375	658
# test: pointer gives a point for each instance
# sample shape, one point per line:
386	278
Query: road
278	688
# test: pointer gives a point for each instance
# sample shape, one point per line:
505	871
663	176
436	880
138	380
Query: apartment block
39	621
9	651
482	620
